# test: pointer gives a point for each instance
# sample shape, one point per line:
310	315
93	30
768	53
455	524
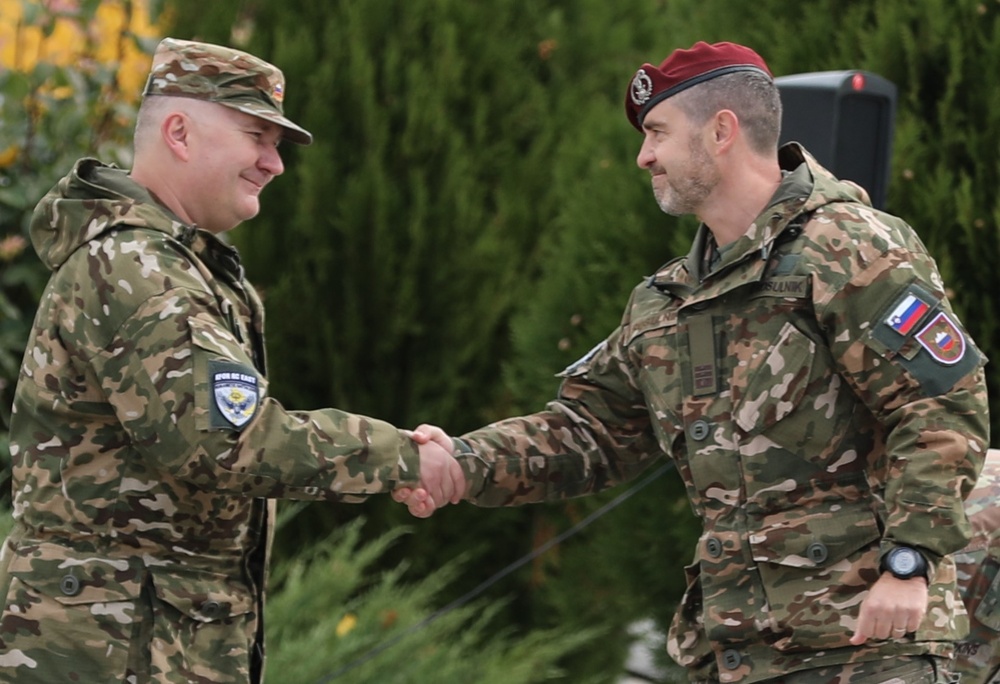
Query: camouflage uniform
977	656
147	451
821	402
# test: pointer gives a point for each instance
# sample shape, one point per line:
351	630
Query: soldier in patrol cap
803	368
147	449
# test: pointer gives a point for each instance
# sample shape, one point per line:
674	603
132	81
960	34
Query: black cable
468	596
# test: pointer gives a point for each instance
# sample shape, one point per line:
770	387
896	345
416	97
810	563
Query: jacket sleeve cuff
408	464
476	469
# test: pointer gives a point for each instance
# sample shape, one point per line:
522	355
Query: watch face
903	561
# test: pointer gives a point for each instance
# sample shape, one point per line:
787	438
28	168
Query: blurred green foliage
337	617
470	221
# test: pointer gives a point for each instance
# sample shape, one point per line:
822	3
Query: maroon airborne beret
683	69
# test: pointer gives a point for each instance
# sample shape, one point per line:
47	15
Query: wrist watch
905	562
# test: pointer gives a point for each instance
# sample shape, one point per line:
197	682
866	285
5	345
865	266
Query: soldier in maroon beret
804	369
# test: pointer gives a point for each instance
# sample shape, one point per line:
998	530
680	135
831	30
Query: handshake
441	478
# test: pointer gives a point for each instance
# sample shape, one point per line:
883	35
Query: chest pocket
786	388
772	377
784	384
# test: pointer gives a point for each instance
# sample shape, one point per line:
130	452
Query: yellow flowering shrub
60	33
71	75
73	53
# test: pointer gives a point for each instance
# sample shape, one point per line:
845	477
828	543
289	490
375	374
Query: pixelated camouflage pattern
142	527
808	438
977	656
184	68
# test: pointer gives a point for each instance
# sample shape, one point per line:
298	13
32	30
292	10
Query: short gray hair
752	96
155	108
148	118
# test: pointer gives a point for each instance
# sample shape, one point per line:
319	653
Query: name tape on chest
796	286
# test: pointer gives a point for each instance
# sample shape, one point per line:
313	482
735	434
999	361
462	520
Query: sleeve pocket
228	389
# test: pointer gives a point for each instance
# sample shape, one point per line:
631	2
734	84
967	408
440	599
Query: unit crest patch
942	339
236	395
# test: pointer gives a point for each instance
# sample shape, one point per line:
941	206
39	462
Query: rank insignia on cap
942	339
236	396
907	314
223	75
642	87
684	69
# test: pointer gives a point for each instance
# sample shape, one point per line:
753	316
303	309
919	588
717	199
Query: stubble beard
687	194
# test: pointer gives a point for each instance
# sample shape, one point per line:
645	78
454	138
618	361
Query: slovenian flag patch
907	314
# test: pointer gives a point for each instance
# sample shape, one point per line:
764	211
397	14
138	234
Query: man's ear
725	127
176	131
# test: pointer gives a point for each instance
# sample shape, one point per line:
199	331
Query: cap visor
293	132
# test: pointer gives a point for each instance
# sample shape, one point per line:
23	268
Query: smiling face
673	150
233	156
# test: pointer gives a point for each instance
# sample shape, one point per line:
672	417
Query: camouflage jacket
977	656
146	451
821	402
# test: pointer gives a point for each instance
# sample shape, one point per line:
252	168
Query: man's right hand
441	478
432	433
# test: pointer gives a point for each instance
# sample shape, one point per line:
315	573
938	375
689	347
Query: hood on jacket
806	186
89	201
826	187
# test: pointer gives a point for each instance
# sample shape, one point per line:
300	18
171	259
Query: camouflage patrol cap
683	69
184	68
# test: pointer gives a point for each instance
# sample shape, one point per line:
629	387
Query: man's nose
271	162
645	158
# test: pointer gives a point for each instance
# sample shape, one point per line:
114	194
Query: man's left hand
893	608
